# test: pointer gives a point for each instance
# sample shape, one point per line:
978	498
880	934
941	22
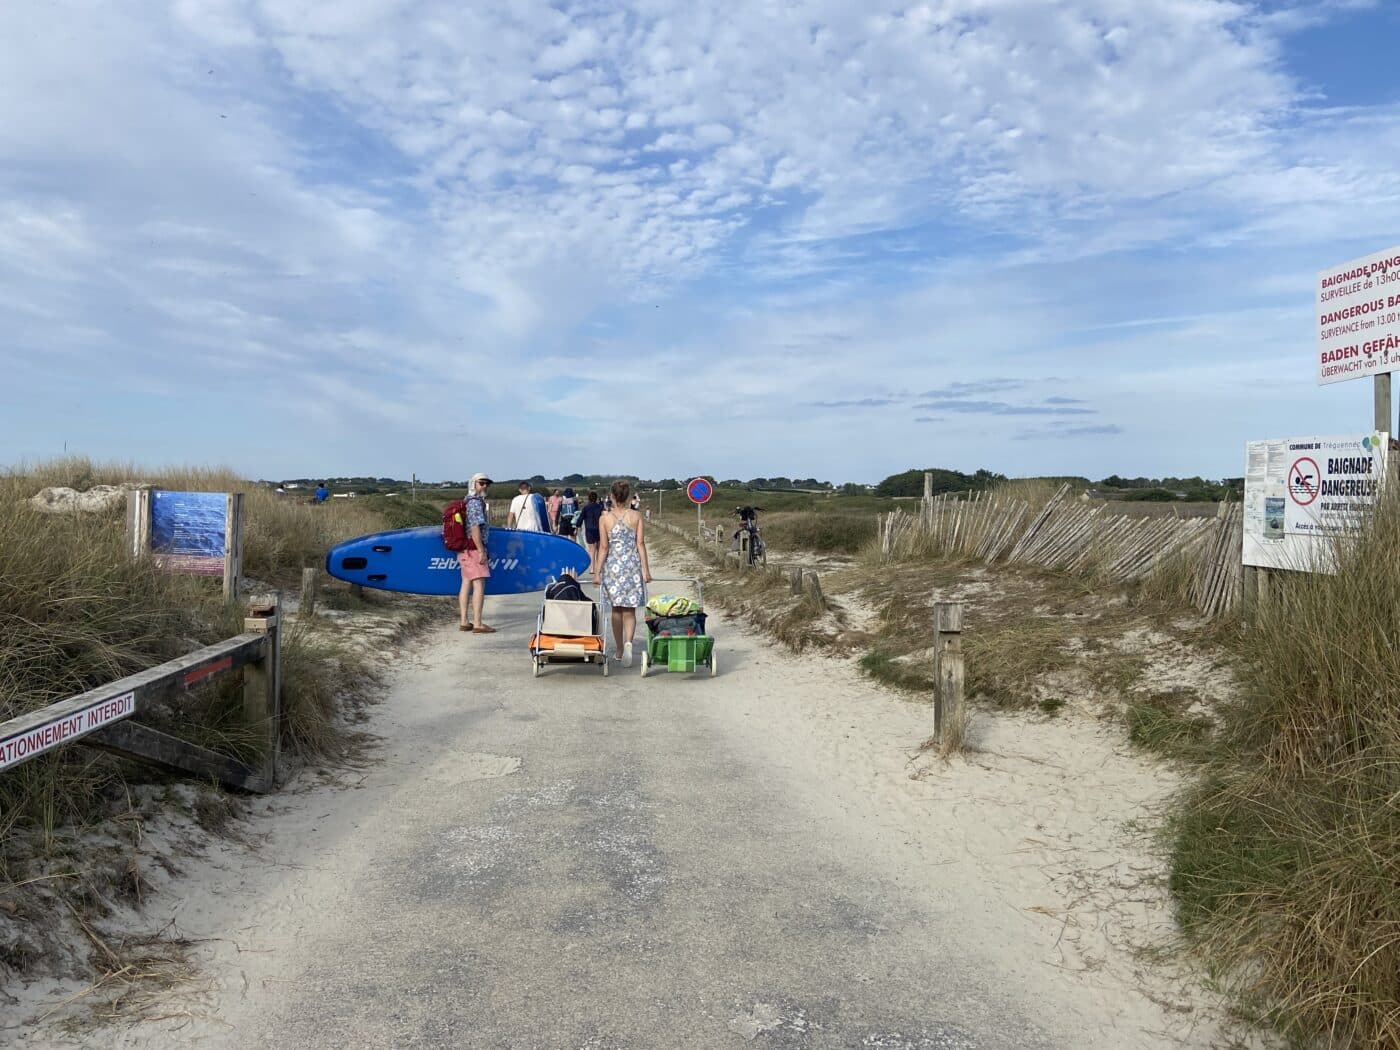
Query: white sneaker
627	654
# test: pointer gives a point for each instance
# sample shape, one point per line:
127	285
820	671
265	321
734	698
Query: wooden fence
102	717
713	542
1072	535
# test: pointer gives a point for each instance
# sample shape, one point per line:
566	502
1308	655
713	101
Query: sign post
699	490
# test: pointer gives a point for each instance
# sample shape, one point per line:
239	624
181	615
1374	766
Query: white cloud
394	202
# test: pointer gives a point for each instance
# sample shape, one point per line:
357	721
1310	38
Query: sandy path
680	862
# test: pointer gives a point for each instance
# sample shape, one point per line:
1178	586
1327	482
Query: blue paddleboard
415	561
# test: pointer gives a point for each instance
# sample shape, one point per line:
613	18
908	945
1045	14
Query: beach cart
676	634
568	628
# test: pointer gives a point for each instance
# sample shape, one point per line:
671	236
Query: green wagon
688	652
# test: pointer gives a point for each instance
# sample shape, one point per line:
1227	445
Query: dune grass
1287	851
76	612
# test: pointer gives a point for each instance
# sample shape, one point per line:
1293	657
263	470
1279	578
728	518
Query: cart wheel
646	663
605	667
714	664
537	666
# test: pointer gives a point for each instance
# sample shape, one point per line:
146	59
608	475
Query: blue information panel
189	531
699	490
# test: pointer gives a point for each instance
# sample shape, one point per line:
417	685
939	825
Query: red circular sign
1304	480
699	490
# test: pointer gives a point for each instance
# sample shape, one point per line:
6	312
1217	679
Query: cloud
965	388
864	402
1002	408
1064	433
344	223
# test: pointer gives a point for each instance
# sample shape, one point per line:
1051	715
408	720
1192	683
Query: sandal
483	629
465	627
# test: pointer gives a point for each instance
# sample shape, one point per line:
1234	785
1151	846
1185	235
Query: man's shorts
473	567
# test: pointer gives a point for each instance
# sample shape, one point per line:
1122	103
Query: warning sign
1303	479
15	749
1358	318
1301	493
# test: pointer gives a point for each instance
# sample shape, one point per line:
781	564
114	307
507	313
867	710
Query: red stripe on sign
204	672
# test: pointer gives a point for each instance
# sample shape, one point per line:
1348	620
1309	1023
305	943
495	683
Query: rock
99	498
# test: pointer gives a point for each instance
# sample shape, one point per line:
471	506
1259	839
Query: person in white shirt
527	512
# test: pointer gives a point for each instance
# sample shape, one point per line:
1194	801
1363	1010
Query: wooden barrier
948	675
99	717
310	591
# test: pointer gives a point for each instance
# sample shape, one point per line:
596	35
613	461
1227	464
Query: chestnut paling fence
1072	535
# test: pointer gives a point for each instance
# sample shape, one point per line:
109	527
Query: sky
817	238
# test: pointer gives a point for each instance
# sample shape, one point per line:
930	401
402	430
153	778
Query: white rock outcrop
61	500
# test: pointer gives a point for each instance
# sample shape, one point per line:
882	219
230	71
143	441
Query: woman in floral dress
622	568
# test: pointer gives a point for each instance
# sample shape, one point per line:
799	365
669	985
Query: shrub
1287	852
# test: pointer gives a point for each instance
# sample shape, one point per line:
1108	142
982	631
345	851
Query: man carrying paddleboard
527	511
475	563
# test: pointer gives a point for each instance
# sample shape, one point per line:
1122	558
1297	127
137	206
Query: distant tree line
911	482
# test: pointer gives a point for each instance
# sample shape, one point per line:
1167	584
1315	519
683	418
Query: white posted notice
1358	318
1300	494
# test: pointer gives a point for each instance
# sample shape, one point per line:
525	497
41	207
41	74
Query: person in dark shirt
592	511
322	493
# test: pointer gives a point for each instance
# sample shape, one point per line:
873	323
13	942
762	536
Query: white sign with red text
21	746
1358	318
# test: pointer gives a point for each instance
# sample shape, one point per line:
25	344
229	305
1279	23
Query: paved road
584	862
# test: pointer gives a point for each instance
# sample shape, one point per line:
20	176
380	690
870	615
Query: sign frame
1358	318
1303	494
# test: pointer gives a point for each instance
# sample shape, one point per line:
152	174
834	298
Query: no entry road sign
699	490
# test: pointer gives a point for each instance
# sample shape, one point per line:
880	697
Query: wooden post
744	550
262	687
357	591
310	587
1381	390
947	666
233	545
813	585
795	581
138	523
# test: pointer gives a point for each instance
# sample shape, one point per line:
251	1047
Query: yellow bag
673	605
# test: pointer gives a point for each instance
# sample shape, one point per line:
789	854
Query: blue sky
819	238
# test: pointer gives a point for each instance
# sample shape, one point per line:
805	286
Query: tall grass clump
824	531
1287	852
76	612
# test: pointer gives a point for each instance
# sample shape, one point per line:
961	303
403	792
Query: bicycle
748	525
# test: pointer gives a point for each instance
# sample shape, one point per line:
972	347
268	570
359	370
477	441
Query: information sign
1358	318
189	531
1300	494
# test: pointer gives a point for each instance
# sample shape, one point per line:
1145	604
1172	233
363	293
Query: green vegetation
1167	490
76	612
911	482
1287	851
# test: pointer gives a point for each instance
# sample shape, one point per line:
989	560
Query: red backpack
454	525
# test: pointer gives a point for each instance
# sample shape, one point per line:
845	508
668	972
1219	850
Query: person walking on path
527	511
568	507
554	502
475	562
622	568
591	513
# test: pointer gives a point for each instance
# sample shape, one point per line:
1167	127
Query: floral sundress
622	572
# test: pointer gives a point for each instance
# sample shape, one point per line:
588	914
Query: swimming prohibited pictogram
1304	480
699	490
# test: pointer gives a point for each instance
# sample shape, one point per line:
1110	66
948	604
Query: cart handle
694	581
